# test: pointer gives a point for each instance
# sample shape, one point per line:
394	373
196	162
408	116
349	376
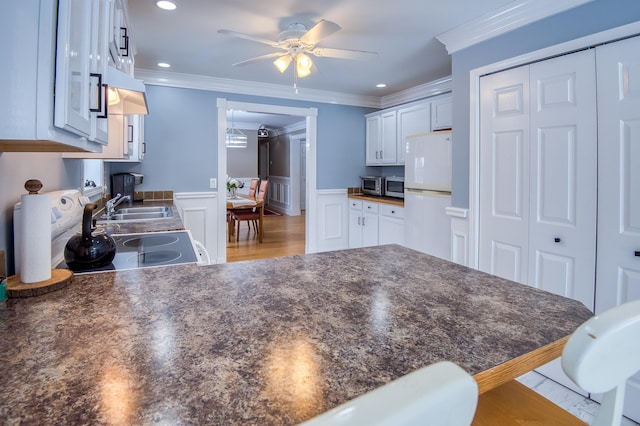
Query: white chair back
437	395
602	354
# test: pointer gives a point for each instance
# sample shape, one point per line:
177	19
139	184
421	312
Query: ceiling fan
297	43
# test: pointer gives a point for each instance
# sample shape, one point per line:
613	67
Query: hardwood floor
283	236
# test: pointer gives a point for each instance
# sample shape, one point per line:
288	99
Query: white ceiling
401	31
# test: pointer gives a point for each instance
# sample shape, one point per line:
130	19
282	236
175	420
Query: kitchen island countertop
272	341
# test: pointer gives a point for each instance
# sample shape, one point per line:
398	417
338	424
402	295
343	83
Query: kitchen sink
133	214
149	209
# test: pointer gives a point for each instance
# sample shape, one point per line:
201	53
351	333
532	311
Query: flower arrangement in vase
232	187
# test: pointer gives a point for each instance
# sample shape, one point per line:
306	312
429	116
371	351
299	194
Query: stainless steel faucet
110	205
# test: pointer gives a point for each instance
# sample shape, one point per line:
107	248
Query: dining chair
437	395
253	186
599	357
252	216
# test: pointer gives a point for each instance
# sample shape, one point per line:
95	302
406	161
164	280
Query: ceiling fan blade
319	31
259	58
358	55
250	37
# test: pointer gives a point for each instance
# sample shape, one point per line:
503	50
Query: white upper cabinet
441	113
412	120
381	138
29	115
81	68
387	130
120	46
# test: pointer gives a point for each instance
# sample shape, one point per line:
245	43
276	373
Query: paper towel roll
35	249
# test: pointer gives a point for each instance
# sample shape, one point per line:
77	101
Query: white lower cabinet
363	224
372	224
391	224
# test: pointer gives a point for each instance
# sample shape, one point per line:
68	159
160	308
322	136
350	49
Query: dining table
265	342
241	202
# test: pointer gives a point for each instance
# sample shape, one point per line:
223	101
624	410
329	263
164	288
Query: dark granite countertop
262	342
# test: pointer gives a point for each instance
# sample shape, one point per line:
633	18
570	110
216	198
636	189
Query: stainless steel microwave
394	186
372	185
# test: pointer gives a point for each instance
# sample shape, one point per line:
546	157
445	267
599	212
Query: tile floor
583	408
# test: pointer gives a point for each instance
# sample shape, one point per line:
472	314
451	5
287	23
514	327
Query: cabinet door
388	145
391	225
369	224
441	113
355	223
411	121
74	84
373	138
99	66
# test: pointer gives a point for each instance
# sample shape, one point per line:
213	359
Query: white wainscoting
333	219
459	235
198	211
279	194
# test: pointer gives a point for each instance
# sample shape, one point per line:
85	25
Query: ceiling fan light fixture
282	63
303	65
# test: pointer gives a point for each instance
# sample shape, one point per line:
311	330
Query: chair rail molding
502	20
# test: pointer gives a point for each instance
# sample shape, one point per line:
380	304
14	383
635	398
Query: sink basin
134	214
150	209
138	216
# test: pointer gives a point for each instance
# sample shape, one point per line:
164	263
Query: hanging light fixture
235	137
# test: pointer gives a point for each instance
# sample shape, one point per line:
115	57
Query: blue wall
591	18
181	137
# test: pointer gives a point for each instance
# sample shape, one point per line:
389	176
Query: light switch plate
213	183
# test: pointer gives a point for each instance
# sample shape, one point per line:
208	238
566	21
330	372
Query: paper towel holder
59	277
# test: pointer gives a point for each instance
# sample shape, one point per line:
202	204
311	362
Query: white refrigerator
427	193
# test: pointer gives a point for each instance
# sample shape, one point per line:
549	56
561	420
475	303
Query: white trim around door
311	115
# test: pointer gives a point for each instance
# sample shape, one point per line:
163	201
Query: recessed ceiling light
166	5
163	65
381	85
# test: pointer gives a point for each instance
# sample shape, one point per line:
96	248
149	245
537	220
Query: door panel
618	272
504	174
564	175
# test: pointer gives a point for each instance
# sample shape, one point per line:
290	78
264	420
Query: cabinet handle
363	221
556	239
393	212
130	133
358	220
125	37
376	155
102	95
144	147
637	253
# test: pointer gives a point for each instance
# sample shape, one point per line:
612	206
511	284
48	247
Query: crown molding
502	20
295	127
436	87
190	81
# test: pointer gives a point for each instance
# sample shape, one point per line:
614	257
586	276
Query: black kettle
88	251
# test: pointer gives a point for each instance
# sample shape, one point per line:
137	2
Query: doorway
310	115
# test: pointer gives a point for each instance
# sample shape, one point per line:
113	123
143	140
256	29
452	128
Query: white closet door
504	174
618	276
563	190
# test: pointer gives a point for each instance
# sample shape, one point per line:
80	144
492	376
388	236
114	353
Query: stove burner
156	257
150	241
